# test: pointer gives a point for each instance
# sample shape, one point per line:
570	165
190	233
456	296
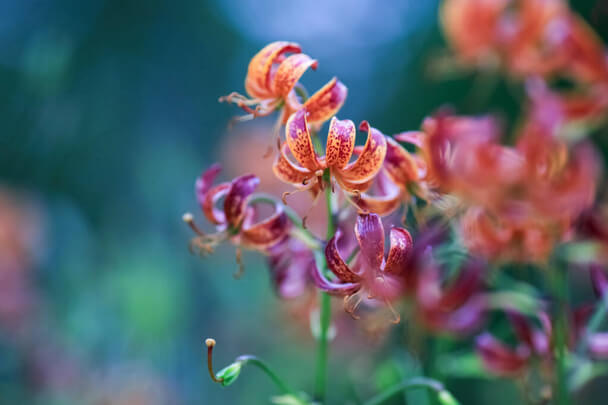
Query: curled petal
290	71
399	252
399	164
499	358
289	172
370	160
211	197
267	232
236	199
599	280
413	137
257	82
464	287
340	143
299	142
326	102
336	263
204	183
370	235
330	287
384	203
598	345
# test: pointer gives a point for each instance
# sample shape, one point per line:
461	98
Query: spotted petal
370	160
236	199
257	82
370	235
340	143
331	287
289	172
213	214
299	141
290	71
336	263
268	232
399	252
326	102
399	164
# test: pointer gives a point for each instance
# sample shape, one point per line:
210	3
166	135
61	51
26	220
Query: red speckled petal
330	287
399	164
326	102
289	172
268	232
370	235
290	71
336	263
340	143
399	252
370	160
236	199
257	83
214	215
300	144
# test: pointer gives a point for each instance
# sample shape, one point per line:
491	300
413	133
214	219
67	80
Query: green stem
561	294
418	382
325	316
259	363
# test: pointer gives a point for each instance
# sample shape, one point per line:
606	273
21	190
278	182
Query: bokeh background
109	110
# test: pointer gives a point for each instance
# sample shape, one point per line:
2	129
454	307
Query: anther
189	219
210	343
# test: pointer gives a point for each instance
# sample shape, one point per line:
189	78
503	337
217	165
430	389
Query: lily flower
371	275
307	174
272	81
237	218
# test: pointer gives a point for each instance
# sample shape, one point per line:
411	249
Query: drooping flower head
236	217
369	274
273	84
308	170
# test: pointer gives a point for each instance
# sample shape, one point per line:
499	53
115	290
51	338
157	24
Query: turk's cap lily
291	265
273	77
308	168
236	217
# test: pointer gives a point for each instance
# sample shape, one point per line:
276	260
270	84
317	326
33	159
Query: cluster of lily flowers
458	181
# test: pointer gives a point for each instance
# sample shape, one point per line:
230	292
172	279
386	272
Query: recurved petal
336	263
326	102
370	235
399	252
385	202
204	183
330	287
340	143
413	137
236	199
370	160
299	142
499	358
211	197
289	172
290	71
257	83
268	232
399	164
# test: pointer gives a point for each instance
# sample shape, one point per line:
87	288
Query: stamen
189	219
210	343
396	316
351	307
239	261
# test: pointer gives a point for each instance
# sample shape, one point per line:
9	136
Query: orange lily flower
272	80
307	174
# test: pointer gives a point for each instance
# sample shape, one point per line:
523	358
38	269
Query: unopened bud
229	374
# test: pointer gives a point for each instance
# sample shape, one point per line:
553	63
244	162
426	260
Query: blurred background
109	111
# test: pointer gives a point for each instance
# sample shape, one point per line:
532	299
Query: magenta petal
330	287
336	263
236	199
499	358
370	235
598	345
204	183
599	279
522	328
399	252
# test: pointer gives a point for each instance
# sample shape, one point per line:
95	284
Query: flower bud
229	374
445	398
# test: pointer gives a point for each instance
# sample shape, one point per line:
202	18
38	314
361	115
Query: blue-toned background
108	112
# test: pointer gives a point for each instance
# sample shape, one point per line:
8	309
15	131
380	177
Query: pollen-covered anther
210	343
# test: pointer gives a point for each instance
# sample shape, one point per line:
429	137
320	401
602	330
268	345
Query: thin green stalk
562	396
259	363
325	317
418	382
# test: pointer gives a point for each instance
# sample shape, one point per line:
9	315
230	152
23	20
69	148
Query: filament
210	343
239	260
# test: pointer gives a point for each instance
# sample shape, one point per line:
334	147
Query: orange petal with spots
300	144
326	102
399	164
257	82
370	160
290	71
340	143
289	172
